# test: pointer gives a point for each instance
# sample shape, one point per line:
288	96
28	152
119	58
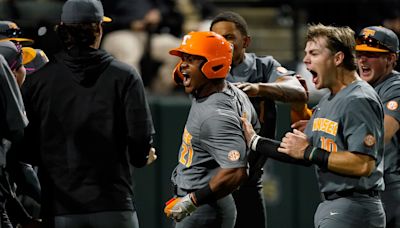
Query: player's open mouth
365	70
314	76
186	79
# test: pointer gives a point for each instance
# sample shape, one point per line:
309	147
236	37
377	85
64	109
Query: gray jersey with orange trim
256	69
389	92
351	120
213	138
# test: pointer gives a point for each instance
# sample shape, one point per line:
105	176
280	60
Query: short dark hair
233	17
77	35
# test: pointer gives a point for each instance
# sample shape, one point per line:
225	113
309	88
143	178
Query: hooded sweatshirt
89	120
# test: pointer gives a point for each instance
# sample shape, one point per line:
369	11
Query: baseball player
377	52
213	157
344	137
265	81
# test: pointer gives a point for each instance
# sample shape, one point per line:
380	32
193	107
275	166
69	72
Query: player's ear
338	58
392	58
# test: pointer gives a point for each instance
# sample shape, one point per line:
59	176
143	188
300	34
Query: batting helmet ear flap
177	74
216	68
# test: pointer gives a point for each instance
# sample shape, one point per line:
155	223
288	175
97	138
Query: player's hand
178	208
248	130
251	89
152	156
294	144
300	125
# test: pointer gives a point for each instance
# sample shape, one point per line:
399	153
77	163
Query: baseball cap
377	39
33	59
15	54
83	11
10	31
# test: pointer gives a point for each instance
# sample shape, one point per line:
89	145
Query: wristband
317	156
251	140
204	195
254	143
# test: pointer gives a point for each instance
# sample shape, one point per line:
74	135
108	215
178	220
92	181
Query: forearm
222	184
270	148
227	180
342	162
351	164
285	91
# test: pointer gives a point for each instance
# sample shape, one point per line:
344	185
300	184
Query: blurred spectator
141	34
197	14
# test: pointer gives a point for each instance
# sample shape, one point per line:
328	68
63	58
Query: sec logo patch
392	105
233	155
369	140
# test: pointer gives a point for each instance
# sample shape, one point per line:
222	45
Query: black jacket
89	118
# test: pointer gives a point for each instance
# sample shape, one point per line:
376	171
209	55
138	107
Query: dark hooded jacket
89	118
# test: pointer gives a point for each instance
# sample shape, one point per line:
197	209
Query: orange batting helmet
210	45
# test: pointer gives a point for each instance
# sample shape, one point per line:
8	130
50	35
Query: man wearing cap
89	122
10	31
33	59
377	52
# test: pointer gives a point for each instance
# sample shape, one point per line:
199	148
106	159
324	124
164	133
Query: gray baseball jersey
213	138
389	92
255	69
351	120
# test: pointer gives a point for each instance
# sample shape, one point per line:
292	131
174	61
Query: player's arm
285	89
139	123
267	146
391	127
350	163
223	183
295	144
